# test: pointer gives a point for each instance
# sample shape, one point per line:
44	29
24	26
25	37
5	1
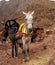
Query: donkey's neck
29	21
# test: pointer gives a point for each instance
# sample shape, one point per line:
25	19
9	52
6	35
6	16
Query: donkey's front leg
24	50
28	44
28	41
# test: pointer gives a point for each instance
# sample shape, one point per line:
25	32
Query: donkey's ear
32	13
24	13
29	12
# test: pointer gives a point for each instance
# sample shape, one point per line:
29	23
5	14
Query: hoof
26	59
23	60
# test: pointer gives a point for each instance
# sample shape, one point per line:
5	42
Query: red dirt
37	52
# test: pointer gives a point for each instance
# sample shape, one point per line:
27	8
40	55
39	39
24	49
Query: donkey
10	29
27	31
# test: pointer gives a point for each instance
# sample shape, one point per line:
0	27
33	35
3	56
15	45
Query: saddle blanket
21	34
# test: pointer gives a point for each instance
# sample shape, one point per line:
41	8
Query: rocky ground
39	55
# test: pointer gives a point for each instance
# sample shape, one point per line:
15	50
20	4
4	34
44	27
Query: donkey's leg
12	50
16	49
24	50
28	44
27	47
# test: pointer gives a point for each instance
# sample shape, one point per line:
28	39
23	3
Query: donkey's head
29	18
